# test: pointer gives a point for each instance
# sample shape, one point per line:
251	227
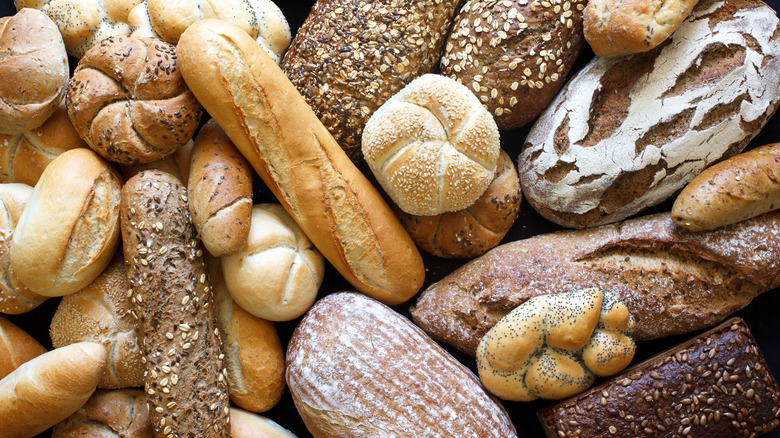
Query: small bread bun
101	313
244	424
278	273
69	229
552	345
177	164
480	227
432	146
16	347
121	413
33	72
134	108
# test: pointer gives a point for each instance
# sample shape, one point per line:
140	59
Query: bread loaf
350	56
185	379
69	229
672	281
357	368
273	127
16	347
121	413
247	425
741	187
628	133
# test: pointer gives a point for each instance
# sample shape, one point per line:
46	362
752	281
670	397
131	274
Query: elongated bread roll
273	127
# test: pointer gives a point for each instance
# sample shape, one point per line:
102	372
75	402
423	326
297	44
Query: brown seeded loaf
672	281
16	347
270	123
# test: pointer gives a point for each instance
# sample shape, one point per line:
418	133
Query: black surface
760	315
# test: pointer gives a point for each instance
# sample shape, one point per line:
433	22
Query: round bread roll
121	413
84	23
177	164
101	313
24	156
278	273
134	108
33	70
552	346
480	227
16	347
69	229
432	146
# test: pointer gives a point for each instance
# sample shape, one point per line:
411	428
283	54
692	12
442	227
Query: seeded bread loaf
628	133
350	56
672	281
717	385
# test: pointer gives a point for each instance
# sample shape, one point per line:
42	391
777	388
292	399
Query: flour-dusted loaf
627	133
357	368
672	281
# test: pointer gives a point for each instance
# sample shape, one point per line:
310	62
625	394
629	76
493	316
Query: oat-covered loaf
33	70
128	100
628	133
432	147
514	54
350	56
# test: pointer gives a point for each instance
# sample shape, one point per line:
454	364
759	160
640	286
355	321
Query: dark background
760	315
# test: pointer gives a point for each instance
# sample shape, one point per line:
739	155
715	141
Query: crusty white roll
271	124
69	229
219	192
244	424
16	347
101	313
277	274
49	388
177	164
121	413
432	146
33	70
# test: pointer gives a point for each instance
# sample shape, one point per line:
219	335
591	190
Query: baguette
267	119
673	281
16	347
741	187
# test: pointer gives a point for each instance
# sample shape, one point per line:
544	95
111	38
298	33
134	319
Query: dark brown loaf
356	368
514	55
717	385
673	281
186	379
350	56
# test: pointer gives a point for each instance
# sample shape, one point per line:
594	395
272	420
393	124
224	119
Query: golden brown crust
16	347
120	413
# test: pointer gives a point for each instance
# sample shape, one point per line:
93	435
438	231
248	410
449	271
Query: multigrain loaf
357	368
628	133
672	281
350	56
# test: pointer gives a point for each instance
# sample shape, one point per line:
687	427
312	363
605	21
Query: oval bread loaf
628	133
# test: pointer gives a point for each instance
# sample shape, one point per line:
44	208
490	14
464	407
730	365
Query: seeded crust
514	55
186	378
715	385
350	56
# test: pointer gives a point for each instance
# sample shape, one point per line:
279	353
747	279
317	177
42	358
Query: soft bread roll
15	297
69	230
289	148
177	164
277	274
254	357
133	108
101	313
33	70
16	347
120	413
219	192
432	146
247	425
49	388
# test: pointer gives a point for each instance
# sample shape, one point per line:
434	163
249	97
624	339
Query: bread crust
16	347
119	413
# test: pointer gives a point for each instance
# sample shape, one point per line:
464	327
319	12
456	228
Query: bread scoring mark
716	61
665	131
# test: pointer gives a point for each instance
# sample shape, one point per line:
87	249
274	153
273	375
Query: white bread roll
244	424
49	388
16	347
69	230
177	164
277	274
121	413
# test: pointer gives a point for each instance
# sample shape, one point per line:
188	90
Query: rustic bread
389	42
473	231
432	147
185	379
16	347
121	413
100	313
270	123
743	186
514	55
134	108
716	385
357	368
628	133
672	281
33	70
